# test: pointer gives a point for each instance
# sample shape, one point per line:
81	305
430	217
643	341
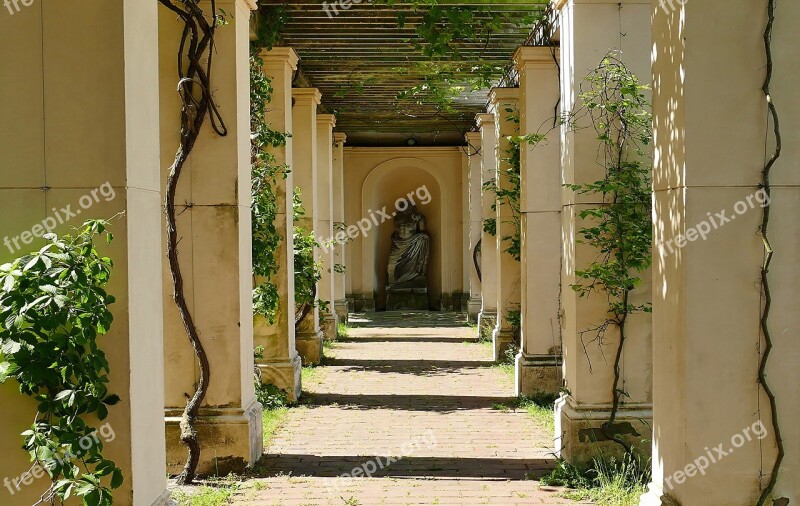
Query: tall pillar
341	306
487	320
306	100
85	138
281	365
589	31
709	253
538	367
324	223
475	223
215	254
505	104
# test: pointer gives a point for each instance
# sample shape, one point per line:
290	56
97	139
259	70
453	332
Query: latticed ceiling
365	57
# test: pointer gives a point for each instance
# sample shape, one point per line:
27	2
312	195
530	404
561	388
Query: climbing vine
768	253
195	57
620	229
307	270
509	194
53	309
266	177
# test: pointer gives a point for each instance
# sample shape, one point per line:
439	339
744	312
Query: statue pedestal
407	299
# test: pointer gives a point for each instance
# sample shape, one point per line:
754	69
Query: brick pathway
414	386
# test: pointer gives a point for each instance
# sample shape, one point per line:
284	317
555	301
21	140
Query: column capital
279	55
307	96
503	96
557	5
251	4
485	118
533	57
473	138
339	137
327	120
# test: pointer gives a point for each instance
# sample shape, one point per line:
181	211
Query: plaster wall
589	30
378	177
79	90
712	141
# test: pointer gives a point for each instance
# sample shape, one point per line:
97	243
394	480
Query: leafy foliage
509	192
270	21
54	307
621	228
607	482
266	175
270	396
307	271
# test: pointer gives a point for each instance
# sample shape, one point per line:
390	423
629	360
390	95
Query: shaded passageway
416	385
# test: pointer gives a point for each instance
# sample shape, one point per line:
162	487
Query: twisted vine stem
765	285
194	87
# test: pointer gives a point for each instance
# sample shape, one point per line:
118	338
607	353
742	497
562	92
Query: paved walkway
418	387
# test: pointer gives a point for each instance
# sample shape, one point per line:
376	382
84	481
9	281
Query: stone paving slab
415	406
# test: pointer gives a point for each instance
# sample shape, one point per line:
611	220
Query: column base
309	347
580	439
284	375
363	304
231	440
502	341
329	326
474	309
537	375
342	309
655	497
164	499
487	321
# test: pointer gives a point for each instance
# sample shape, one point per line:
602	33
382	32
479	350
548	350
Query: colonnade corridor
419	388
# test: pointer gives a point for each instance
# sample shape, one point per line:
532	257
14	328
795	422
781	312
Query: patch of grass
541	407
273	419
216	495
310	374
343	330
608	482
507	369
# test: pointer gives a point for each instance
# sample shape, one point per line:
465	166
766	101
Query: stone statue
411	250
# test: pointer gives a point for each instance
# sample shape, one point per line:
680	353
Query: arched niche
386	183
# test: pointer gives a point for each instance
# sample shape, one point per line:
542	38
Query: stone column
475	223
83	138
323	218
487	319
589	31
306	100
215	253
538	368
714	440
281	365
505	104
341	306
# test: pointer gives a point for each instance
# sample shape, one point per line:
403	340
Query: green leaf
7	369
64	394
117	479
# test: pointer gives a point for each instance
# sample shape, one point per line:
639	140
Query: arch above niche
372	193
